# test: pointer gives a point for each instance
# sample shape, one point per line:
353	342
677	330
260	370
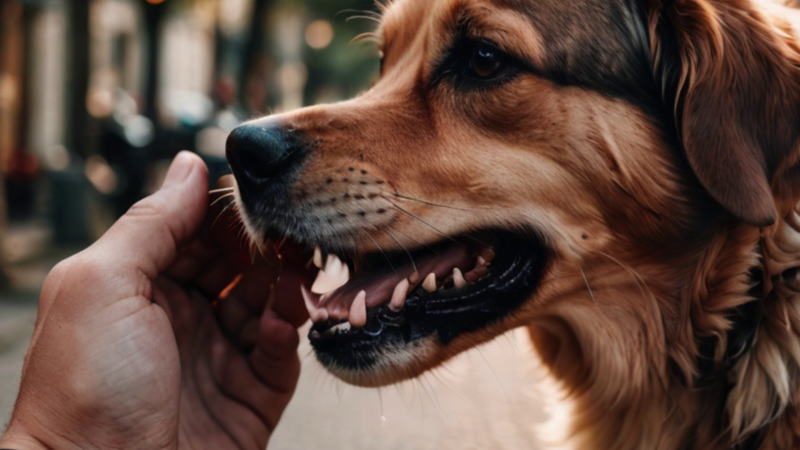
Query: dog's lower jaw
388	365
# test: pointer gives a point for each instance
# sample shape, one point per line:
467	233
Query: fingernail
179	169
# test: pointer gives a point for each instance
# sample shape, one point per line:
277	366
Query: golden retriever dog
621	177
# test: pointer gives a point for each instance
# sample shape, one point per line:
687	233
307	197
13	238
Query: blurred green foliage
350	66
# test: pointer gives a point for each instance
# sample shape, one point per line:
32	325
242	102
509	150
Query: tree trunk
78	127
253	76
153	18
4	279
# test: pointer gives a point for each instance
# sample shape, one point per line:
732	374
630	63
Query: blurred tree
254	63
68	186
154	14
4	279
78	69
347	65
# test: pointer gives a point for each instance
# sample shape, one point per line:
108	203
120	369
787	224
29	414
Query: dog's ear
734	86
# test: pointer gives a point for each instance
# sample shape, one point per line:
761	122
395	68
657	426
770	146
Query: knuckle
145	208
77	270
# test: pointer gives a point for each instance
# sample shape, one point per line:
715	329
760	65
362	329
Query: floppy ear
733	81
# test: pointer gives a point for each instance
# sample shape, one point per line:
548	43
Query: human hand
135	348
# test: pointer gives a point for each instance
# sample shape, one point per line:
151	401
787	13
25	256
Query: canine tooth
458	278
481	262
413	278
358	310
399	296
488	254
316	314
318	257
430	283
335	275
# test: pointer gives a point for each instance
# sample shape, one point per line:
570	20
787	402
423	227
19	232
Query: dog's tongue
381	284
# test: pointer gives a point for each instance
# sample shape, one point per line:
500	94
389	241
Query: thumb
148	236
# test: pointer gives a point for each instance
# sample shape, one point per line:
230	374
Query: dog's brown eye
474	63
486	61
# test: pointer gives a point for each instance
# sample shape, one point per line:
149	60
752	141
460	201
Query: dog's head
509	149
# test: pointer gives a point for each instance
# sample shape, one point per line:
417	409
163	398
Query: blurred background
96	97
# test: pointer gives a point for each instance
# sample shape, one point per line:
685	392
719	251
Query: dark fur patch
598	44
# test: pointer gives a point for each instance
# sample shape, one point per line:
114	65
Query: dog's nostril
257	153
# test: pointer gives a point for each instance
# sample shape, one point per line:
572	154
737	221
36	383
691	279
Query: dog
621	177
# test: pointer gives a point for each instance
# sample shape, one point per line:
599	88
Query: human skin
133	346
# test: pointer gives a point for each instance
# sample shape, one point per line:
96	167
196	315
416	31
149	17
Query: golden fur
644	266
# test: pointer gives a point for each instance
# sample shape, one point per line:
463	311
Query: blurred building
96	96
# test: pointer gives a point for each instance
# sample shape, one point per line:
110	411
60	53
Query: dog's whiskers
388	231
385	256
427	202
221	190
368	37
223	197
640	283
421	220
228	207
362	14
353	236
588	288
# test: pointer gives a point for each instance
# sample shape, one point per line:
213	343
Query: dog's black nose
257	153
262	156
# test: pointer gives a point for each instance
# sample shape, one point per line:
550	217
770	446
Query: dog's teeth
413	278
316	314
488	255
430	283
476	274
343	327
458	278
318	258
333	264
481	262
399	296
358	310
335	275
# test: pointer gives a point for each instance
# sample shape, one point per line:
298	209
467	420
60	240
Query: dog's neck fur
747	395
667	402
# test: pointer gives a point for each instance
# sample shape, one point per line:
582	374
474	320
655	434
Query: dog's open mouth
363	304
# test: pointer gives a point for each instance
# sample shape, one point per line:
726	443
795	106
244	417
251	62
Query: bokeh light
319	34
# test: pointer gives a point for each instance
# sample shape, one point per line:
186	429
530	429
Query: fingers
243	394
265	390
286	300
193	259
215	418
239	312
148	236
274	360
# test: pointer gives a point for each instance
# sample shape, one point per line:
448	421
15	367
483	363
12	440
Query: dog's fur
653	143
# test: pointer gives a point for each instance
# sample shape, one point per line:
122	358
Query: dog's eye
486	61
474	63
